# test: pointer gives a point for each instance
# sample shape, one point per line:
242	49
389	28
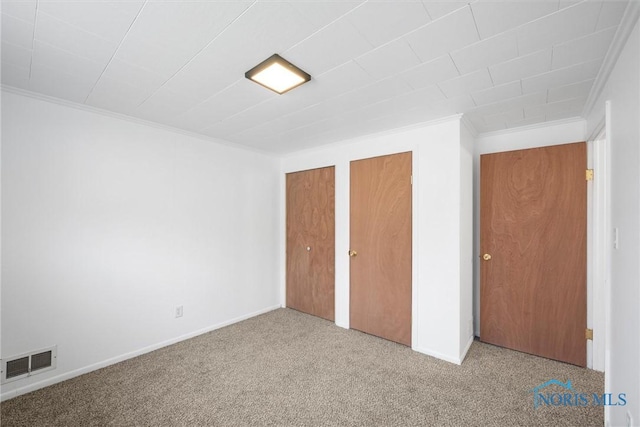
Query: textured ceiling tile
319	14
525	122
234	99
165	104
332	46
16	55
452	32
221	130
345	78
381	22
49	56
561	77
430	73
74	40
567	24
566	114
461	104
468	83
15	76
265	29
60	85
575	104
575	90
438	9
584	49
521	67
495	121
487	52
17	32
493	17
388	60
568	3
21	9
108	19
498	93
117	96
379	91
133	75
188	25
513	103
257	115
151	56
425	98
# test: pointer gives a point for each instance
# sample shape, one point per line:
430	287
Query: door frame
598	252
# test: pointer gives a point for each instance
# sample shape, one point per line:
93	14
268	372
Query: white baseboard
447	358
466	348
438	355
77	372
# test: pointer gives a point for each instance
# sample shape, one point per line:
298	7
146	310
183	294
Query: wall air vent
27	364
17	367
41	360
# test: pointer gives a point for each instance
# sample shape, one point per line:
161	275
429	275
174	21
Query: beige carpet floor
286	368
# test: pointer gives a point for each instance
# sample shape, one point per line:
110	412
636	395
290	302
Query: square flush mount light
277	74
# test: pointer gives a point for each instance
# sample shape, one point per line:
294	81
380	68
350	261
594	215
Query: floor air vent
24	365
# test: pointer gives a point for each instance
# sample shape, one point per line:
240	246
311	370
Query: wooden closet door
380	301
533	240
311	242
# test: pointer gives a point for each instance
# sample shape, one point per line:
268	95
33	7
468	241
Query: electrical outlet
179	311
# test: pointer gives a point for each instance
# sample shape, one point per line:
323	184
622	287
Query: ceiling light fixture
277	74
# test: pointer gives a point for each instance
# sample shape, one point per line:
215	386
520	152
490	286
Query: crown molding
597	130
365	136
131	119
629	19
470	127
540	125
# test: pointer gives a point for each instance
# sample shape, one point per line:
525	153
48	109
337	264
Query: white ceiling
375	65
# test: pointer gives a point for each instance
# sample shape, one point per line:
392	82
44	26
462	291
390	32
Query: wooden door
380	301
311	242
533	224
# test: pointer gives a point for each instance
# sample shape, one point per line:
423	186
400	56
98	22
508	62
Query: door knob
486	257
352	253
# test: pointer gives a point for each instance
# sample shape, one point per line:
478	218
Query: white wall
623	134
108	225
467	144
563	132
438	220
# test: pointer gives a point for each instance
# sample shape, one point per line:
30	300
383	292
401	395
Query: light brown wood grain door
311	242
533	226
380	227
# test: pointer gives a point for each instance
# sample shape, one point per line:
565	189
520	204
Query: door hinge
589	175
411	179
588	334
